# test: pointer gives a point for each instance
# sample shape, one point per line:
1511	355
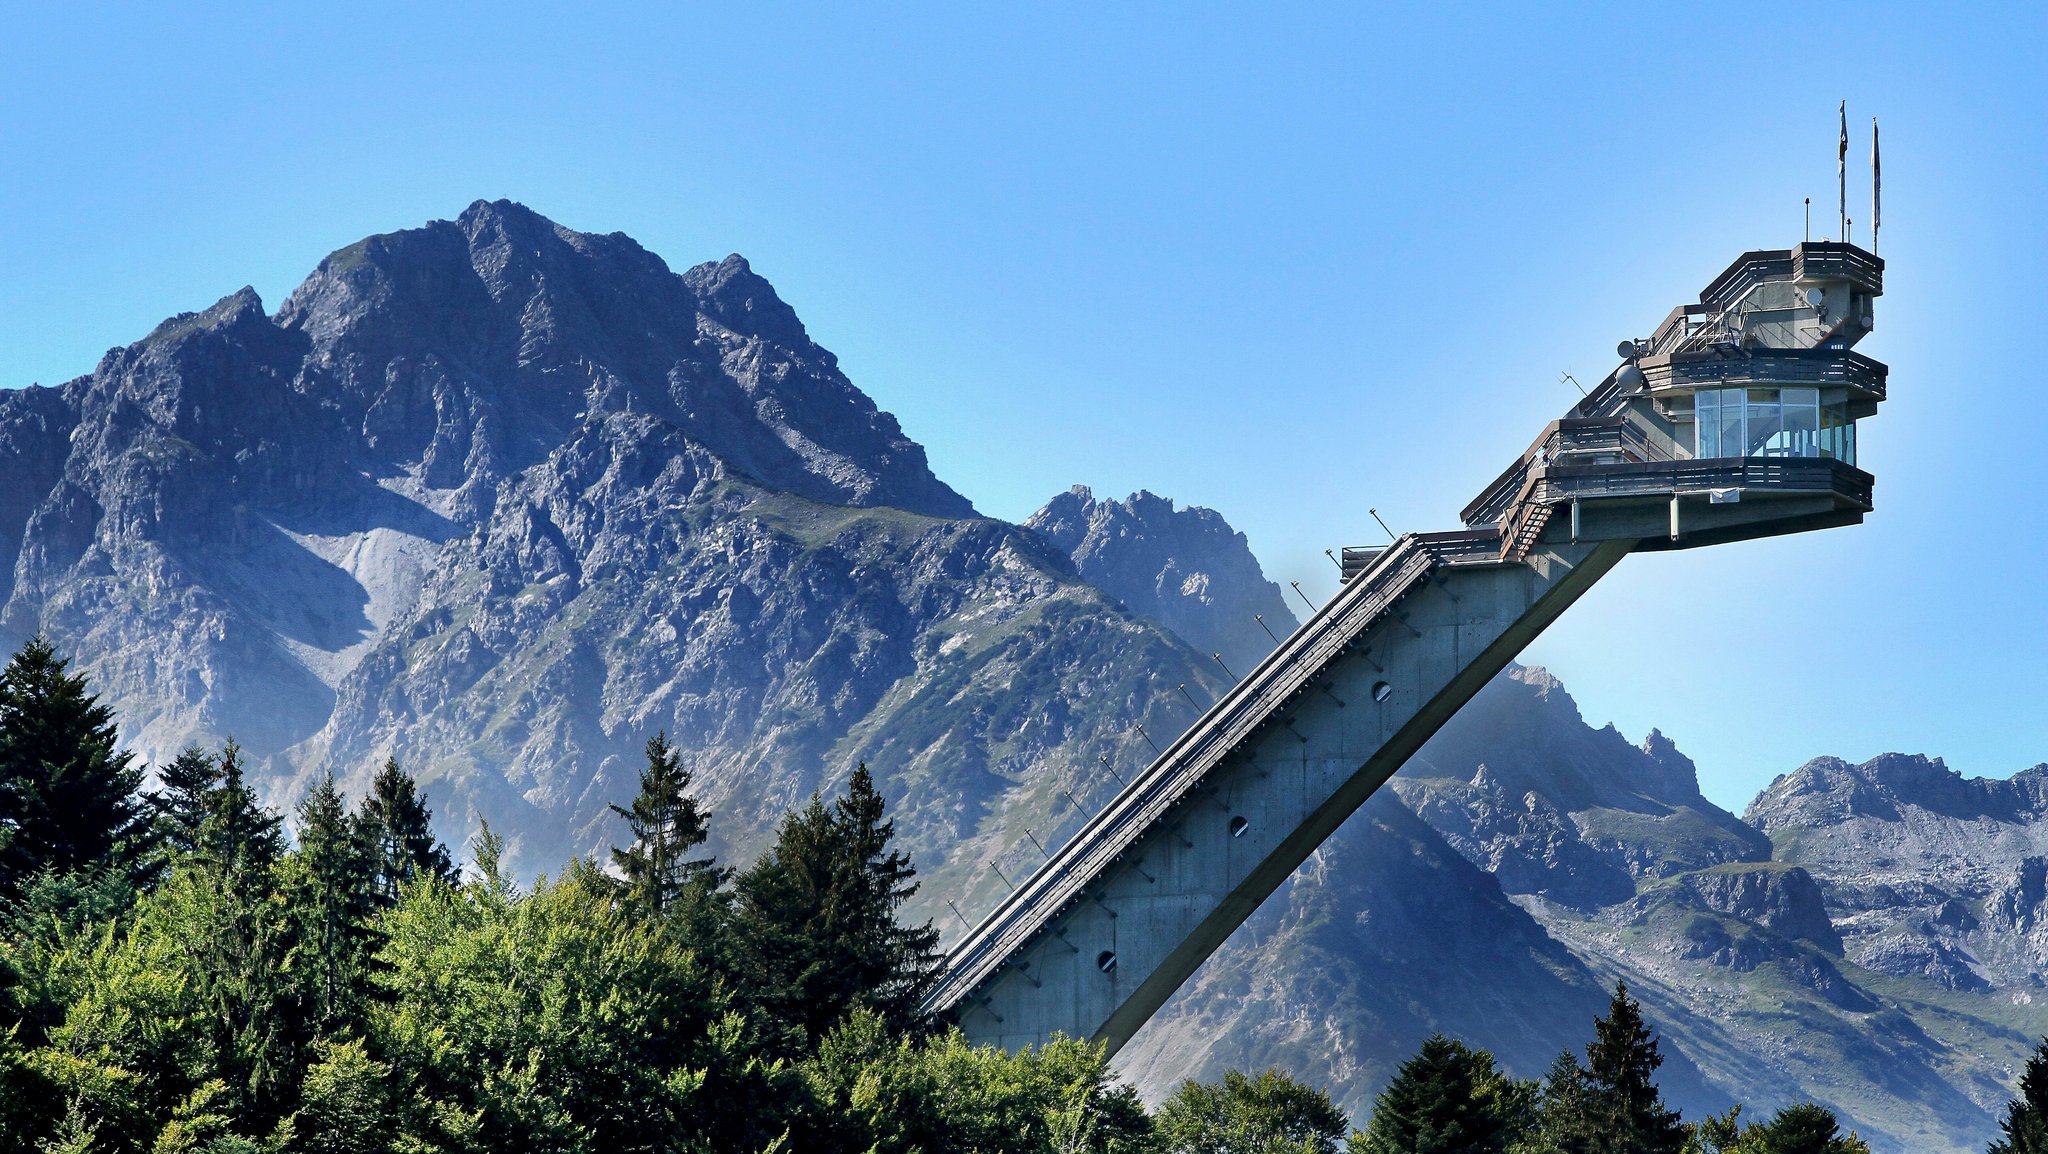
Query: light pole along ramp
1735	419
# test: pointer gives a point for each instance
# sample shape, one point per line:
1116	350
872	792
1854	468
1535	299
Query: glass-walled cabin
1763	365
1781	422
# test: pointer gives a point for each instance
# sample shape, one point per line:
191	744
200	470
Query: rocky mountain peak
1670	772
1828	790
1928	874
251	522
480	343
1185	568
741	300
238	309
1784	899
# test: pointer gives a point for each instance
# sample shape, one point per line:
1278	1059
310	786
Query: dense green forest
179	975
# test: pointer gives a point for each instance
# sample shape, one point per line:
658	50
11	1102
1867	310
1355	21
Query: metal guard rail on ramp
1235	717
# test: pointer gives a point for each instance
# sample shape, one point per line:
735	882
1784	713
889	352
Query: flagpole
1842	174
1876	188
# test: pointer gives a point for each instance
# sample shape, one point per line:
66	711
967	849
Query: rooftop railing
1822	260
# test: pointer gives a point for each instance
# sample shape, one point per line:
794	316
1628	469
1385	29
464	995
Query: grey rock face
502	499
1927	873
1186	569
1520	785
1786	901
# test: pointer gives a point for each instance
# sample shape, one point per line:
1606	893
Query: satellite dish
1629	380
1815	297
1626	349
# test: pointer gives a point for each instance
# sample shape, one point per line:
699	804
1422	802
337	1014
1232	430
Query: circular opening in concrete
1381	691
1106	961
1238	825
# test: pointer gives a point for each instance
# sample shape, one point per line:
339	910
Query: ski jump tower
1735	419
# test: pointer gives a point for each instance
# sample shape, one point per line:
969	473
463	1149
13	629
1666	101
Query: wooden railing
1820	260
1657	478
1568	434
1814	260
1823	368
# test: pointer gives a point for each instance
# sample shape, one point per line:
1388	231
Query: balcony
1768	368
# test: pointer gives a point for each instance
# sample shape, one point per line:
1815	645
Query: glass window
1801	409
1707	423
1788	422
1764	422
1837	432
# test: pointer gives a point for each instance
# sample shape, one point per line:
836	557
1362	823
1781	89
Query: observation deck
1751	395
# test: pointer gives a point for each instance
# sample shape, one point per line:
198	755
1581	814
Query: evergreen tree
257	1016
1628	1115
238	837
181	803
1448	1099
666	824
68	796
816	923
1805	1128
398	829
1565	1125
330	896
2025	1127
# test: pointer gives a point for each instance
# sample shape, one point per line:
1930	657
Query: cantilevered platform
1734	419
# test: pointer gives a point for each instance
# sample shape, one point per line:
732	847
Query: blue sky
1287	262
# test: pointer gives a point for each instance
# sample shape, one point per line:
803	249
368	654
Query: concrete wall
1168	902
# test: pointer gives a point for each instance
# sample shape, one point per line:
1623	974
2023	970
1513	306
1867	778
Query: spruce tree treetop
666	824
1804	1128
238	835
1447	1099
68	795
1563	1122
181	801
910	952
816	929
331	897
1621	1066
398	829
